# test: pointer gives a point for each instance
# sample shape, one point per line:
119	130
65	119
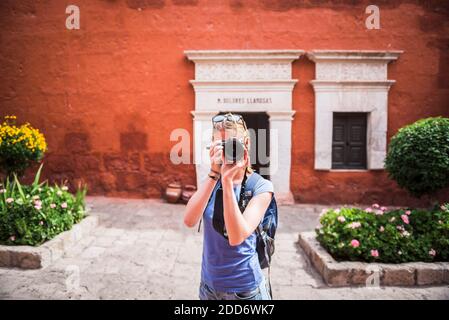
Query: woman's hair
240	130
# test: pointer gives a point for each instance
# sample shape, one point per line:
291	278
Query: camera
233	150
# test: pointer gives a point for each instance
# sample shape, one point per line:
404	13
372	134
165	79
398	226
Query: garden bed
29	257
338	274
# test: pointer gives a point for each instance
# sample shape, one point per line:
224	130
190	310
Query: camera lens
233	150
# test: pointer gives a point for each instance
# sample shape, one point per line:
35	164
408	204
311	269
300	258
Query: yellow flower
30	138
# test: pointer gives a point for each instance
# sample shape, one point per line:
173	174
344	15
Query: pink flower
38	204
9	200
355	225
12	238
379	212
355	243
383	208
41	223
52	205
4	190
432	252
337	210
442	206
374	253
400	228
369	210
375	206
341	219
381	229
408	212
405	219
64	205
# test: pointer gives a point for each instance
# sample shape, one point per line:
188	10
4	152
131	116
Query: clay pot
187	192
173	192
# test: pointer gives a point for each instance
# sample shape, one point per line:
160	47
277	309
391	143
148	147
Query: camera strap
218	215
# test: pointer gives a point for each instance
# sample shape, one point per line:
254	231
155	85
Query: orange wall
108	95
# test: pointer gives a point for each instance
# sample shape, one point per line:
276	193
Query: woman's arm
197	203
240	226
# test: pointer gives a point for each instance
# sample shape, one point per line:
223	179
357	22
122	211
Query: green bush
376	234
418	156
33	214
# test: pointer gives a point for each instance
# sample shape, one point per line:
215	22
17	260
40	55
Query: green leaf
38	175
19	187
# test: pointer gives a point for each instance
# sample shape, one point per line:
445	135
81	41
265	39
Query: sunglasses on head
218	120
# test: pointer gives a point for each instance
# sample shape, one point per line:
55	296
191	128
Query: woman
230	268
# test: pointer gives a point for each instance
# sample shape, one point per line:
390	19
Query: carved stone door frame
246	81
352	81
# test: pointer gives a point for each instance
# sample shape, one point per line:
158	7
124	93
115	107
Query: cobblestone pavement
141	250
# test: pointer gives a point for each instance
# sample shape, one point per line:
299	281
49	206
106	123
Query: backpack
266	230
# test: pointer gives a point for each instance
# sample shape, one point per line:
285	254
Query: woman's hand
230	170
216	155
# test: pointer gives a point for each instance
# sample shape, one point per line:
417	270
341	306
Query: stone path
141	250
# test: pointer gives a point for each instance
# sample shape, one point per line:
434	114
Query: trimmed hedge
418	156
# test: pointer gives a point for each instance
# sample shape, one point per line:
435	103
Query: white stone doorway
246	81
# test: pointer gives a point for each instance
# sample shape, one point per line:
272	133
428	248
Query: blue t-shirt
229	268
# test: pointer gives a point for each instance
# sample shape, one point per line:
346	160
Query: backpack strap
218	216
252	182
251	186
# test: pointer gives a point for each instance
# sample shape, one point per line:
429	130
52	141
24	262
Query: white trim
227	55
327	85
339	55
236	86
281	115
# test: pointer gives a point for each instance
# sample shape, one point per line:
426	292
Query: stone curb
28	257
340	274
